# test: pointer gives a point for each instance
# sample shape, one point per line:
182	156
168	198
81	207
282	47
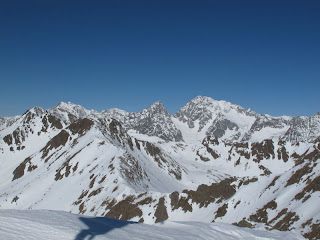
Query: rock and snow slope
54	225
212	161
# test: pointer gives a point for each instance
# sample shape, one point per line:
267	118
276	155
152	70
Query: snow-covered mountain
211	161
204	116
152	121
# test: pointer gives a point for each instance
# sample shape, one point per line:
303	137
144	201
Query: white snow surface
57	225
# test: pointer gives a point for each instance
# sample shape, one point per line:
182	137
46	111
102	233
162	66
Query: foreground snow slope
54	225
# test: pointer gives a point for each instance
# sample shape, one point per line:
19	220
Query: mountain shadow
99	226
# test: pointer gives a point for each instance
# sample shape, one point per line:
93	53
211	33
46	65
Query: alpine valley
212	161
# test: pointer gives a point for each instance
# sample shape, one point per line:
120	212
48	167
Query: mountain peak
214	117
65	105
73	108
202	98
157	107
157	104
214	104
69	112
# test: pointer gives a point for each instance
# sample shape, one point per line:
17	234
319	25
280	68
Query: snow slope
55	225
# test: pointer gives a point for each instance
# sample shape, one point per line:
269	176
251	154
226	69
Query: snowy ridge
201	117
150	166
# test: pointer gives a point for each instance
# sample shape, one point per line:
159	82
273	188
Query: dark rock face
282	152
202	158
312	186
243	223
17	138
222	211
209	143
50	121
261	215
286	222
161	211
263	150
250	180
242	149
57	141
55	122
125	209
8	139
297	176
204	195
174	198
28	123
314	234
81	126
19	171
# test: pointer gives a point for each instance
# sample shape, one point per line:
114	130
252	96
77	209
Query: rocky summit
212	161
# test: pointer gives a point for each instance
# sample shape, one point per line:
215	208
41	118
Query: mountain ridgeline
211	161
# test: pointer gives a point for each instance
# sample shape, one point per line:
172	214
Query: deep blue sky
263	55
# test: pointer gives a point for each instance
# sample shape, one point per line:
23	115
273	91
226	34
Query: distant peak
208	101
203	98
157	107
69	106
158	103
66	104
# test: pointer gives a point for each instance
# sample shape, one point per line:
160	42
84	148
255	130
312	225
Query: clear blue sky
263	55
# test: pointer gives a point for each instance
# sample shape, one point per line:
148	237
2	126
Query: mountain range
212	161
